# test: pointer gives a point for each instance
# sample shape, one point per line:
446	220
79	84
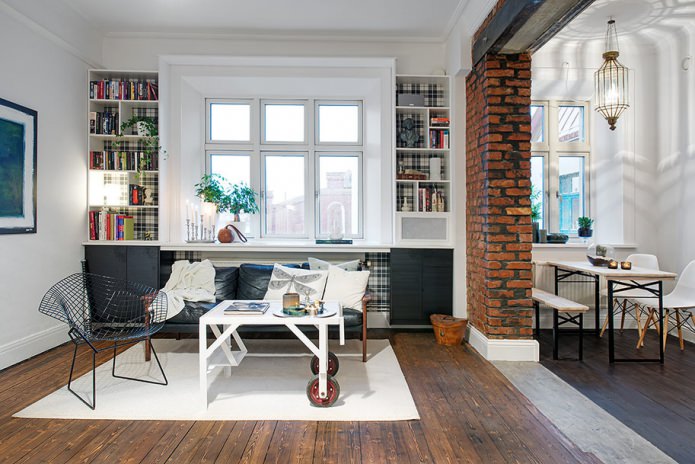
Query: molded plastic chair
623	300
104	309
679	307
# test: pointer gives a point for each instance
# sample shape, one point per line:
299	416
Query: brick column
498	187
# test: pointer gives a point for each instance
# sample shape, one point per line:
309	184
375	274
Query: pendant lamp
611	80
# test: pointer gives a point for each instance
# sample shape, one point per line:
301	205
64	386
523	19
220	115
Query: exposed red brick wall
498	186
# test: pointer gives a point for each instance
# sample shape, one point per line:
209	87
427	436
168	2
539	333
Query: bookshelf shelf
113	97
423	162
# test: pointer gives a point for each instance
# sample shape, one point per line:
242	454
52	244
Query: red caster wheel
333	364
332	392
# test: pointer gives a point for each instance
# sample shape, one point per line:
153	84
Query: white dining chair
679	307
623	300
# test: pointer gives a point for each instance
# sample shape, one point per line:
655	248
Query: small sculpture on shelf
408	135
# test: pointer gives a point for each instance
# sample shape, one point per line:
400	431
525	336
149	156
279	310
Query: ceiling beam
525	25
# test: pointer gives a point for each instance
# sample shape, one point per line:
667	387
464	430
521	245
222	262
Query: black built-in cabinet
134	263
421	284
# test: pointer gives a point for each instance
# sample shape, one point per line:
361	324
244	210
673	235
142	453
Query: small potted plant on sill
212	189
536	213
241	199
585	224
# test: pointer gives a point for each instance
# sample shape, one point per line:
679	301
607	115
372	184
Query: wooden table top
613	274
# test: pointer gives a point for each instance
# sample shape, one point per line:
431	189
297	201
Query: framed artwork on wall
18	126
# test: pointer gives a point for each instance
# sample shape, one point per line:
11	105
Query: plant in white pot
241	198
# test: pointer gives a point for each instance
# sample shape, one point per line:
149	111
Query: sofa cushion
316	264
352	317
191	312
253	280
226	283
346	287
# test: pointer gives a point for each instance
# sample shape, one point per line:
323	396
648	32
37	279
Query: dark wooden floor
658	402
469	413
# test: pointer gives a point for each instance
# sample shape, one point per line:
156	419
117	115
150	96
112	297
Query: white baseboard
31	345
503	350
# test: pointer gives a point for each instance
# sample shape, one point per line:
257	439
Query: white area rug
264	387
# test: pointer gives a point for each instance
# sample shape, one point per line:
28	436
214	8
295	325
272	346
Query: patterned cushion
287	280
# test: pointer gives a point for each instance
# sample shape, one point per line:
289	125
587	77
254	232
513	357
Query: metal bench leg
556	334
581	337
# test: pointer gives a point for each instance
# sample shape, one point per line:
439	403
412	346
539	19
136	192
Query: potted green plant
585	224
536	212
241	199
146	128
212	188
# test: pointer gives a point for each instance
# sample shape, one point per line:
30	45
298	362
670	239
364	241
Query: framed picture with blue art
17	169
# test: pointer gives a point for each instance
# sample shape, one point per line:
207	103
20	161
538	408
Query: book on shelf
431	200
247	307
439	121
439	138
123	161
104	225
342	241
121	89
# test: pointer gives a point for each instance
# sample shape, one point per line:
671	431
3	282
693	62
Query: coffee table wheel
332	390
333	364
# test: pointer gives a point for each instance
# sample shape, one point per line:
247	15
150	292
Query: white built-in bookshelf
123	180
423	163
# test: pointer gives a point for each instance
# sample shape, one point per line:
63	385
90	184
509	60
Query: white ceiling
644	19
359	19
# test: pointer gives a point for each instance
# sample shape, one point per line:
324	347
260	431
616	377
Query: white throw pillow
346	287
291	280
316	264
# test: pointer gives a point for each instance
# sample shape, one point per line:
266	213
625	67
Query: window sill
579	245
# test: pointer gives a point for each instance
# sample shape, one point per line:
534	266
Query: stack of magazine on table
247	307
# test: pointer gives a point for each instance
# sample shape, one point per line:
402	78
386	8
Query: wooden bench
574	316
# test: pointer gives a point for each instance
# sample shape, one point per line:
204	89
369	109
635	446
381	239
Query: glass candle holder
627	265
290	300
612	264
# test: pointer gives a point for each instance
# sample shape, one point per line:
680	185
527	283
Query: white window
304	157
560	157
339	199
229	121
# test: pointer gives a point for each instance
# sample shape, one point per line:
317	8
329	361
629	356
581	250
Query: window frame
317	122
264	102
552	149
360	191
253	115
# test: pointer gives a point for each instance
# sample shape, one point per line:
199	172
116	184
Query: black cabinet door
437	282
406	286
134	263
107	260
421	284
143	265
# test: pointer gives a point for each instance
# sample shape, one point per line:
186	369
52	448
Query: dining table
618	281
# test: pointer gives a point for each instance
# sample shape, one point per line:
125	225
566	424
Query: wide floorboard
469	413
657	402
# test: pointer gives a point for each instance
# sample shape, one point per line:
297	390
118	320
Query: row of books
104	225
439	121
105	122
439	138
116	89
123	161
431	200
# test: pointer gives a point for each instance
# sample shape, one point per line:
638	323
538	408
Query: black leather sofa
250	282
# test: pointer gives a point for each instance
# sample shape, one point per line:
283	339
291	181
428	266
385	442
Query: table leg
228	369
597	304
323	360
536	306
609	315
556	334
203	364
661	321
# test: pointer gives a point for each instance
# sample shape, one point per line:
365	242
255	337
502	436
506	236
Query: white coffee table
323	389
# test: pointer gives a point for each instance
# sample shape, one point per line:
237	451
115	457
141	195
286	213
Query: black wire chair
105	309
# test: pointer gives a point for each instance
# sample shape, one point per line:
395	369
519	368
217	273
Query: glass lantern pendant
611	81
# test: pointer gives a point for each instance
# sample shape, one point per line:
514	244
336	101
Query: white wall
38	74
143	52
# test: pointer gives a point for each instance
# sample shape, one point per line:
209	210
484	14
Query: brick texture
498	208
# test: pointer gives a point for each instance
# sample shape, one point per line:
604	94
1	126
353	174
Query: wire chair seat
99	308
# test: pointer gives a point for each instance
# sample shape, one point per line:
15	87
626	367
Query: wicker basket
448	330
